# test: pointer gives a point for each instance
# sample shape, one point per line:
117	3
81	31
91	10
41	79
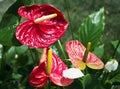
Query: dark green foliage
92	28
10	21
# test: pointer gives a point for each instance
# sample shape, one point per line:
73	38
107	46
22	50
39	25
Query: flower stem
49	85
63	87
62	49
87	51
32	55
69	19
105	77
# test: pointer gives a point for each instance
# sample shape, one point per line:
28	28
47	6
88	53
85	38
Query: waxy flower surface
111	65
76	50
72	73
39	76
45	24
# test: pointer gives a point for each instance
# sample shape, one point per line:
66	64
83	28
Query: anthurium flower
111	65
53	71
76	50
45	24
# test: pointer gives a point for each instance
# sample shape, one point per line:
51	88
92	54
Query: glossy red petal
44	33
38	77
29	34
56	75
28	12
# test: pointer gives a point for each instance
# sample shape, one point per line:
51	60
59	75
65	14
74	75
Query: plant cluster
33	56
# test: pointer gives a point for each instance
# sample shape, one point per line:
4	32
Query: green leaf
91	29
16	76
2	61
21	49
28	2
20	52
10	54
11	16
75	85
1	49
115	43
86	80
7	37
90	81
10	21
116	78
22	60
99	51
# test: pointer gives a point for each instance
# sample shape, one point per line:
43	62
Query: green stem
105	77
87	51
69	19
62	49
116	49
83	85
49	84
33	58
63	87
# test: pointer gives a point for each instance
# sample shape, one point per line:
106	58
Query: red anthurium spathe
39	75
45	24
76	50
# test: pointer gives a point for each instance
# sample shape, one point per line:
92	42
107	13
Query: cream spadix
46	17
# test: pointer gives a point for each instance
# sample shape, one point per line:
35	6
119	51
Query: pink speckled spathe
75	50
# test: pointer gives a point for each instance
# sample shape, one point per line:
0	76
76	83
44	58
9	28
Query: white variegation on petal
72	73
111	65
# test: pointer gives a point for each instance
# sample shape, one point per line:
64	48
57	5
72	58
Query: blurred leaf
7	37
17	55
9	23
92	28
97	86
22	60
86	80
115	43
75	85
2	65
10	54
116	78
16	76
9	19
99	51
28	2
21	49
11	16
89	81
1	60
